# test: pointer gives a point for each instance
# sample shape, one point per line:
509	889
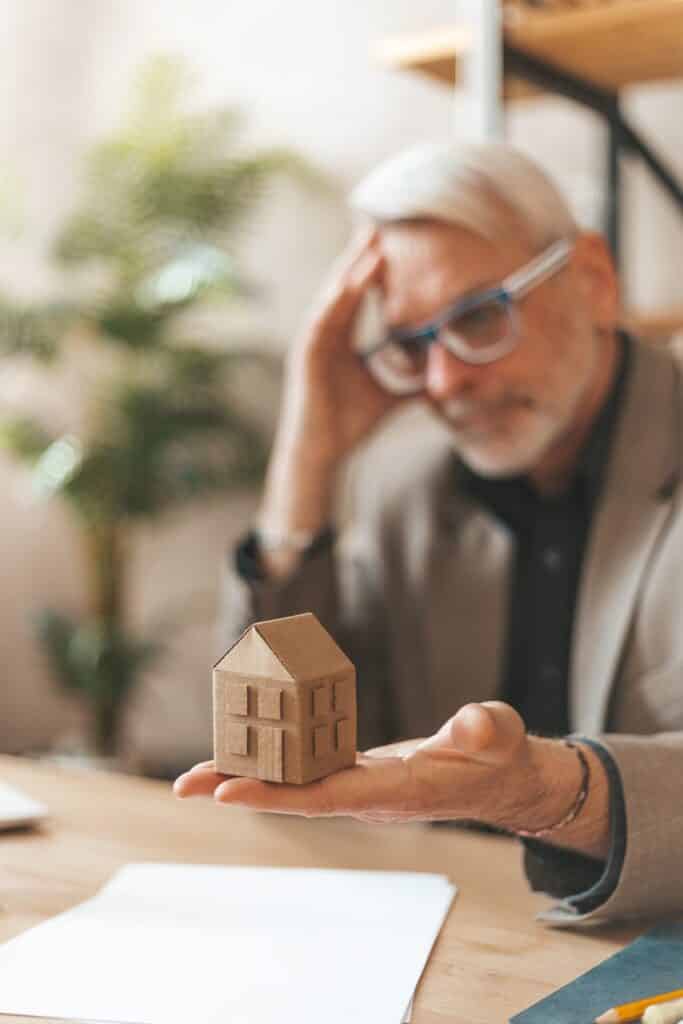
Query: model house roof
294	649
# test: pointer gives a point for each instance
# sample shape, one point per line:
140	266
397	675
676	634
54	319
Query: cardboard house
284	703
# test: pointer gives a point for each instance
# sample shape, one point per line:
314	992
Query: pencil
634	1011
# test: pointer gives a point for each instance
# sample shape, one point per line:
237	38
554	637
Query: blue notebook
651	964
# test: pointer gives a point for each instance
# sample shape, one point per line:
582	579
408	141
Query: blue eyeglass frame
510	290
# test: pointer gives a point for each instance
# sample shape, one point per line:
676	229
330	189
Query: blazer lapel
634	507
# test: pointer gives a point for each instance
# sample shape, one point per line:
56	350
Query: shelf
608	44
434	53
438	54
612	45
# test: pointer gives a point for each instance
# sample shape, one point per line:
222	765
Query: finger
201	780
403	748
364	239
371	785
488	733
273	796
342	298
365	243
499	739
202	765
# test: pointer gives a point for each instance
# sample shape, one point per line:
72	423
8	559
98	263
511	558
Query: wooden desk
491	960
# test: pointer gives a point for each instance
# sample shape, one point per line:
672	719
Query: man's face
506	416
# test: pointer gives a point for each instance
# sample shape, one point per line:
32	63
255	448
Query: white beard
505	452
506	456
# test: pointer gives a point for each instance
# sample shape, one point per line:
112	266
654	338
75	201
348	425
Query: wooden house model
284	703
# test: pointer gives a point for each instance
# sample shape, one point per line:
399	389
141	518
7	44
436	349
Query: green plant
150	245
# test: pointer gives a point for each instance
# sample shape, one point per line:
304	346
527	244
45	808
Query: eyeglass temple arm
515	285
539	269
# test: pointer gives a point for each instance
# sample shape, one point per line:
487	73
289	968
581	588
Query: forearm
299	488
297	500
331	404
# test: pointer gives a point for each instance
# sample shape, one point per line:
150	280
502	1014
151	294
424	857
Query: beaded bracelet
575	809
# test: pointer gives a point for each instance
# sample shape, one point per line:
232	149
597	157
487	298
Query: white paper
16	808
171	943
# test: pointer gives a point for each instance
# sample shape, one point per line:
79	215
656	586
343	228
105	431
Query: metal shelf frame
623	139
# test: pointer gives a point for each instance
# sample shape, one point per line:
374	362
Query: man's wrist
577	804
298	497
279	554
559	777
274	539
542	788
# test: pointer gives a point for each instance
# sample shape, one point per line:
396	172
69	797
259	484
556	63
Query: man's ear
598	279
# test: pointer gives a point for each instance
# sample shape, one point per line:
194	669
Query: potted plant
149	246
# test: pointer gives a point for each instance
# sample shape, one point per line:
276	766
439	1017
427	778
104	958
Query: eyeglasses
478	329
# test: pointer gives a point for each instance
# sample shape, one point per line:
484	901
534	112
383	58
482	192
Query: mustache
461	408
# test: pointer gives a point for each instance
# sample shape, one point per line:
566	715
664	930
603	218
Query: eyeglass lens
401	364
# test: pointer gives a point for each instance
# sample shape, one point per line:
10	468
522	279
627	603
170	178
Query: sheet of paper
168	943
18	809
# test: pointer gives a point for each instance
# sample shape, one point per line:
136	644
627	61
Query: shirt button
552	559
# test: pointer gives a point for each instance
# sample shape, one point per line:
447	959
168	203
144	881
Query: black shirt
551	536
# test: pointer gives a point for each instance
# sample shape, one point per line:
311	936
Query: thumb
489	733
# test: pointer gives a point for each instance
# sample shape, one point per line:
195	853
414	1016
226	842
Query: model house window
237	699
269	702
342	733
321	701
342	695
321	741
237	738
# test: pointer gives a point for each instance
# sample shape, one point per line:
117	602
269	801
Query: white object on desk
170	943
664	1013
17	809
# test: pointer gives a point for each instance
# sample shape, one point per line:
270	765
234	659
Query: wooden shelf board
438	55
435	53
612	45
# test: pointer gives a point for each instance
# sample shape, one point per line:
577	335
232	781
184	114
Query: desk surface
491	960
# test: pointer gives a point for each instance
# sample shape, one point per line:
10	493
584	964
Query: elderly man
521	581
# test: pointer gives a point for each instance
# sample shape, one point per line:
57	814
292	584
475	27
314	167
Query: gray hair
491	189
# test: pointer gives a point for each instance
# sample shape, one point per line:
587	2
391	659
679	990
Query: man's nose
446	376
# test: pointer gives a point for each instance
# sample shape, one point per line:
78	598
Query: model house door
270	753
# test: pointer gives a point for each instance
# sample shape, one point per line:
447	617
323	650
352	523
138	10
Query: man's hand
328	385
460	772
480	765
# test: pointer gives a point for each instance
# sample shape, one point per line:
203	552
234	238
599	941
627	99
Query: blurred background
172	192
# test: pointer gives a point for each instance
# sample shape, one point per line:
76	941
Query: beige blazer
416	594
